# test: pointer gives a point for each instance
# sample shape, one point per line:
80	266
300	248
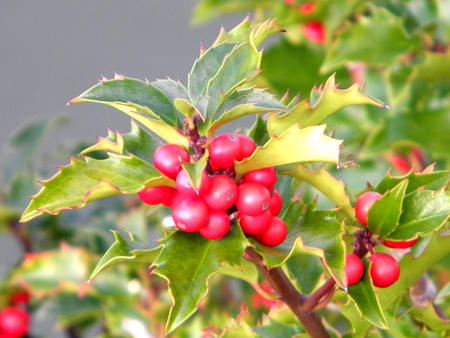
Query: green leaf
428	316
434	69
424	212
326	184
384	215
82	182
353	44
137	142
243	102
141	100
288	148
411	270
132	250
172	89
429	128
322	103
195	170
305	271
187	260
246	271
415	180
316	233
185	107
365	298
273	329
49	271
258	132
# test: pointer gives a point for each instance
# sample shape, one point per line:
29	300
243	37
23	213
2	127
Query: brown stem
290	296
314	299
18	231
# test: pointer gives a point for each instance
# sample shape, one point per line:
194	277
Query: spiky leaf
322	103
415	180
323	181
366	300
187	260
385	213
84	181
132	250
424	212
295	145
194	170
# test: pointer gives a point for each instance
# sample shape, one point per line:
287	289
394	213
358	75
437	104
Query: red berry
20	298
221	193
275	234
190	214
184	185
166	159
384	270
364	203
253	199
224	150
155	195
276	203
217	226
14	322
174	199
354	268
266	177
400	244
307	8
248	145
314	31
253	225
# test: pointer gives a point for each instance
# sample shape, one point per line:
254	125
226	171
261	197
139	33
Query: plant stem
290	296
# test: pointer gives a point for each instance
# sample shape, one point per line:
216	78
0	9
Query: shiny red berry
400	244
190	214
266	177
253	225
155	195
221	193
248	145
217	226
224	150
315	31
363	205
354	268
275	234
384	270
14	322
166	159
184	185
253	199
276	203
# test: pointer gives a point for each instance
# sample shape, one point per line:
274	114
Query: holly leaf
141	100
285	149
137	142
84	181
240	103
366	301
194	170
415	180
428	316
412	268
316	233
305	271
424	212
384	28
187	260
132	250
258	132
322	103
384	215
48	272
273	329
323	181
430	129
246	270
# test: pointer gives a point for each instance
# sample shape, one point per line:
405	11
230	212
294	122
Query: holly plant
258	207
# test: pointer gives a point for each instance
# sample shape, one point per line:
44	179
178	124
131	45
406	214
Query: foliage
160	280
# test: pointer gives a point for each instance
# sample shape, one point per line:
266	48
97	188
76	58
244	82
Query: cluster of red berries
209	208
384	270
15	320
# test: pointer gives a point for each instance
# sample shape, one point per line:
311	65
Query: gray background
51	51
